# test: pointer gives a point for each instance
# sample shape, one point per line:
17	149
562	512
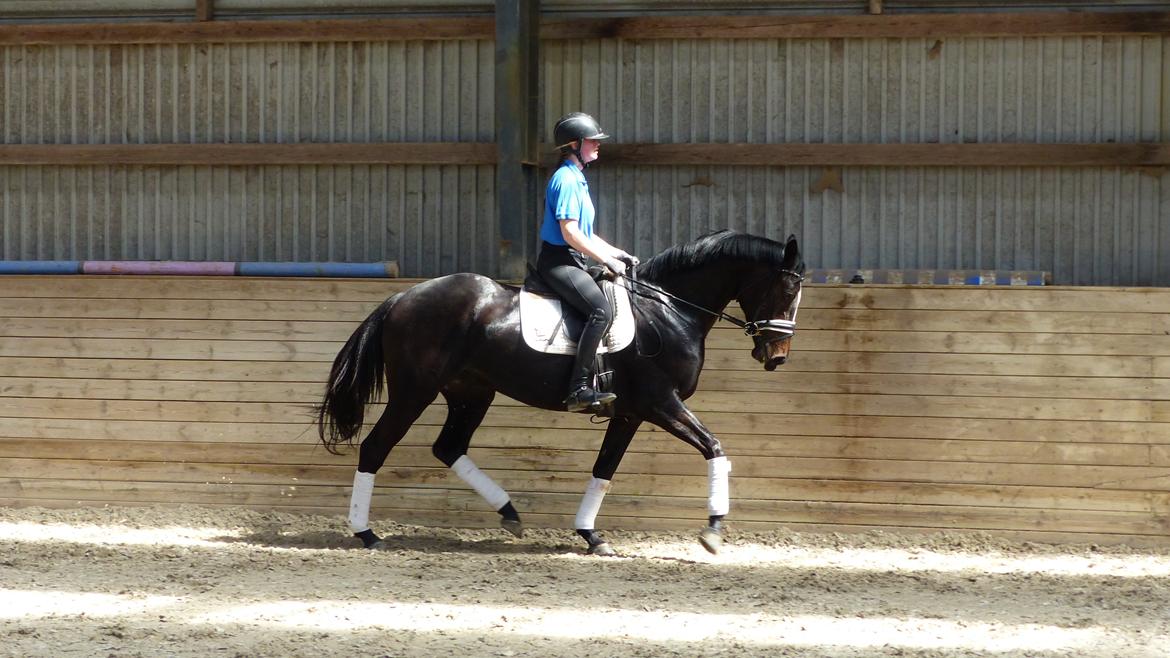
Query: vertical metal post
517	68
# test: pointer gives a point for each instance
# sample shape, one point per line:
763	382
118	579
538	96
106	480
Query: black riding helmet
574	127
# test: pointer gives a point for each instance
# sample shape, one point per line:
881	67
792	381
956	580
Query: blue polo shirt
566	197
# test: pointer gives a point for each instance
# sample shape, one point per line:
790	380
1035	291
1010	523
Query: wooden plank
150	328
251	289
756	388
185	309
250	31
696	154
792	381
912	343
927	405
772	407
1089	300
739	435
961	342
635	27
890	155
251	154
305	451
913	425
976	322
47	368
1006	365
231	350
404	467
910	25
99	430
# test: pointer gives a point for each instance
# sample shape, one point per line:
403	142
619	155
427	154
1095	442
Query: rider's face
590	149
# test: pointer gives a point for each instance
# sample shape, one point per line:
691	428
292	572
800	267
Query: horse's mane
719	245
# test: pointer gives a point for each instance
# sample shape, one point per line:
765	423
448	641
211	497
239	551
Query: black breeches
564	271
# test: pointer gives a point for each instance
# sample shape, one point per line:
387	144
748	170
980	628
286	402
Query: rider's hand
616	266
627	258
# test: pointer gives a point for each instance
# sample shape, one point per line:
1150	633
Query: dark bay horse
459	336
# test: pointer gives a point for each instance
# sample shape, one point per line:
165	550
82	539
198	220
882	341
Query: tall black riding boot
582	395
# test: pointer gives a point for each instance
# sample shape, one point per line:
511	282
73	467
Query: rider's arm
595	248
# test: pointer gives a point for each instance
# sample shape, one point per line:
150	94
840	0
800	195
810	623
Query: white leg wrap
717	496
359	501
478	480
591	503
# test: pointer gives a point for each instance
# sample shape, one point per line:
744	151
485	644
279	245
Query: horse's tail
356	378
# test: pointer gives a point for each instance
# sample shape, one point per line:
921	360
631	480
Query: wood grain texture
634	27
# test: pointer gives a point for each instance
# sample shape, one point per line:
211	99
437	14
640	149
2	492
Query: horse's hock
1036	412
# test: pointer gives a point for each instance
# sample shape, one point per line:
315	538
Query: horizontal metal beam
634	27
484	153
862	26
893	155
394	153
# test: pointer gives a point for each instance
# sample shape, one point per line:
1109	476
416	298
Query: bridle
753	328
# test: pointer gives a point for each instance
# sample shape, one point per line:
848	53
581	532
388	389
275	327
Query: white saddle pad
544	328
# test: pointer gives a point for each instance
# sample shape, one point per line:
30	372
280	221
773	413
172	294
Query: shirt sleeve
568	198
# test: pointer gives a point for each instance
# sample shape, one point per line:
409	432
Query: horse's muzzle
772	354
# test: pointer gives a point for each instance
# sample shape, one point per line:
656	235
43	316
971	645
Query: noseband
786	328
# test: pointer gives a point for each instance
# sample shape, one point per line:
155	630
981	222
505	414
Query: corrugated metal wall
432	219
1088	226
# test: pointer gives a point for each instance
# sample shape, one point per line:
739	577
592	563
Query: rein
786	328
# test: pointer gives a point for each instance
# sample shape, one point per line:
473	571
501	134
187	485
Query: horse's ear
792	253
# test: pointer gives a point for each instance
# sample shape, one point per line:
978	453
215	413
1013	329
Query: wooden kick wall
1034	412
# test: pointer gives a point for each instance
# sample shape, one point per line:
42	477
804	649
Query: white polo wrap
478	480
717	489
359	501
591	503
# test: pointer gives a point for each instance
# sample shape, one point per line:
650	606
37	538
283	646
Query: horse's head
769	300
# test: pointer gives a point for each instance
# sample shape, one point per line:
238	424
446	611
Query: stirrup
586	397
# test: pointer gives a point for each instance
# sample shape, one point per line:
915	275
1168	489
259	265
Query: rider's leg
577	288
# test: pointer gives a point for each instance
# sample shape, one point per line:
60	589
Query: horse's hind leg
613	448
400	413
465	411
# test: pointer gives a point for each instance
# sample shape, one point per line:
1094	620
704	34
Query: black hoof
370	540
711	540
602	550
513	526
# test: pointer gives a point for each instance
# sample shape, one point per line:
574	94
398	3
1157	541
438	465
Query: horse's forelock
720	245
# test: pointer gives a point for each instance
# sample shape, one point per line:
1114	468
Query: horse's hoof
711	540
602	550
370	540
513	526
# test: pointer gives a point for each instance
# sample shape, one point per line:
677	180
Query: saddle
552	327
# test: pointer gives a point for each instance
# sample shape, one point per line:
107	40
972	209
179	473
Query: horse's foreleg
465	411
613	448
677	419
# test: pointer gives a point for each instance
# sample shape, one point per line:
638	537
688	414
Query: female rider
566	238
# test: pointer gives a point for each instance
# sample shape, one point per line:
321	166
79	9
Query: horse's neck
708	288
